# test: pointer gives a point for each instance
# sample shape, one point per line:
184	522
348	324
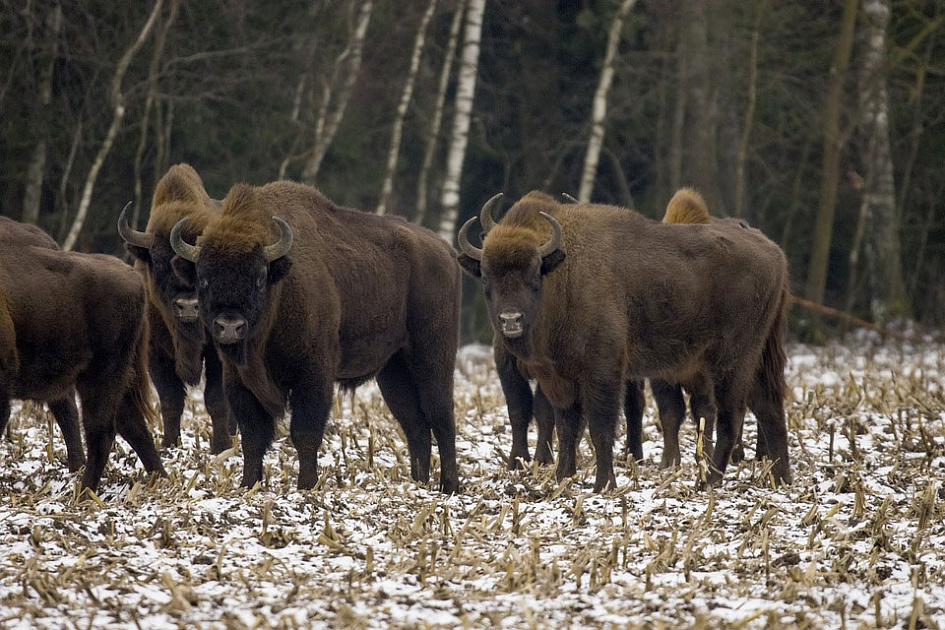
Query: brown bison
319	294
180	348
15	235
71	321
586	296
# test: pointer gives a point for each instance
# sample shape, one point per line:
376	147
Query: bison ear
470	265
185	270
141	253
279	268
551	261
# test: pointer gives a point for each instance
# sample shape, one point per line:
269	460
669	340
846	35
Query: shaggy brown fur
357	296
680	301
97	345
180	349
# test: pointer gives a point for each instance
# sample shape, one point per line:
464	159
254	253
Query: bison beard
98	346
620	297
352	297
180	349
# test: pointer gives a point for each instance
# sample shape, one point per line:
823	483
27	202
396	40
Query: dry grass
857	541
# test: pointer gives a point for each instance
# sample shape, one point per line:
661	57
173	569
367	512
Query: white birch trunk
36	170
465	92
397	130
882	246
434	129
599	112
329	118
118	101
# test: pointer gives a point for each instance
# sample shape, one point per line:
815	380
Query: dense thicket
725	95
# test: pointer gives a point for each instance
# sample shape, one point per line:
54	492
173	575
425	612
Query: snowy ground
857	541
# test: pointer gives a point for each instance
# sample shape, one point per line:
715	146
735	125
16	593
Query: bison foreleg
171	393
545	418
568	423
703	406
730	401
602	406
311	406
67	417
133	428
672	410
223	425
634	402
518	396
256	426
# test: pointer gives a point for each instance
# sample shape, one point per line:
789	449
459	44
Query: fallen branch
862	323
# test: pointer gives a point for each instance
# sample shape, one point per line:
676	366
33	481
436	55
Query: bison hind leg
402	397
672	410
633	405
66	414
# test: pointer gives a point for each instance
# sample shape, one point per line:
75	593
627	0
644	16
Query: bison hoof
544	457
518	462
738	454
449	486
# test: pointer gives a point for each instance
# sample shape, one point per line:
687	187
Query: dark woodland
820	122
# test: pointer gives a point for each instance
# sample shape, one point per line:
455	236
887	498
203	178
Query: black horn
555	241
183	249
464	245
485	215
281	247
131	235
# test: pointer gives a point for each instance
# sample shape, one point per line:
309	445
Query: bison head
234	279
178	295
514	258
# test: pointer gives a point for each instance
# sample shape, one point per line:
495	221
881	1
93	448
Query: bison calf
71	321
319	294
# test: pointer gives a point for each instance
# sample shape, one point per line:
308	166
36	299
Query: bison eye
204	283
261	283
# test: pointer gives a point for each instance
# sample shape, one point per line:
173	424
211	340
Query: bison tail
773	357
686	206
141	381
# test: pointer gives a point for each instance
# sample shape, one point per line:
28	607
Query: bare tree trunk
823	226
118	101
398	128
679	110
153	71
434	129
742	154
67	173
599	111
35	172
883	243
332	109
702	166
465	92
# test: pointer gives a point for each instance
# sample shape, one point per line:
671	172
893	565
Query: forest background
821	122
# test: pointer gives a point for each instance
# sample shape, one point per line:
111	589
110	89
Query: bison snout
512	323
229	329
185	309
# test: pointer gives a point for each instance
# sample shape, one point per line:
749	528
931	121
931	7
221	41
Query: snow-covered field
857	541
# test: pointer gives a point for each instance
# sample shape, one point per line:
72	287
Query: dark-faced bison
180	348
586	296
299	294
71	321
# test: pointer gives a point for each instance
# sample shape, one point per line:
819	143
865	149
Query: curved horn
181	247
281	247
131	235
569	198
555	241
485	215
464	245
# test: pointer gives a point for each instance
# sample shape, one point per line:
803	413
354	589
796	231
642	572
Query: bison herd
276	294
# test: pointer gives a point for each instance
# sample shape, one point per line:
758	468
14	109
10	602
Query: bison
14	234
586	296
180	347
299	294
75	322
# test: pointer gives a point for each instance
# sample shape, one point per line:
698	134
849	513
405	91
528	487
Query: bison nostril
510	317
186	308
229	329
